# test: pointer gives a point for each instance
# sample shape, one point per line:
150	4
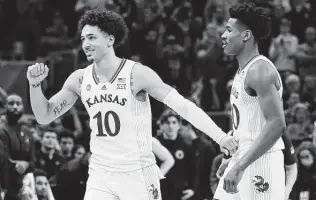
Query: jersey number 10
108	130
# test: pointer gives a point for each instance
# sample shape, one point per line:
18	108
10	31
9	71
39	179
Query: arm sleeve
194	115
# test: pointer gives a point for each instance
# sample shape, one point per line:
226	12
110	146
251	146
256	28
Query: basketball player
256	170
290	164
115	94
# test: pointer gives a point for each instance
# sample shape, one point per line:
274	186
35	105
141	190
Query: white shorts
143	184
262	180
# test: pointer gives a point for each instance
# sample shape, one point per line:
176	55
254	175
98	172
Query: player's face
306	158
232	38
95	43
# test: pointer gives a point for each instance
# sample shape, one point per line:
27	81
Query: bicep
270	102
148	80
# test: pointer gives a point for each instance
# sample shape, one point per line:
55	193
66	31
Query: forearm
194	115
39	103
166	166
291	175
271	132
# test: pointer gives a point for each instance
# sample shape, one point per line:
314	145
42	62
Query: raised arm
45	110
162	153
145	79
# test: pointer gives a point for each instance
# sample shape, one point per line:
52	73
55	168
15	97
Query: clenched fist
37	73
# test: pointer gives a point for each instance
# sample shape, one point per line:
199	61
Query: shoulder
140	71
260	74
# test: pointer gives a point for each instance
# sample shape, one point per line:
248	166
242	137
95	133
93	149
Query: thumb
225	151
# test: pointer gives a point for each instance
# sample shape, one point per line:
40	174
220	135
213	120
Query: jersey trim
96	79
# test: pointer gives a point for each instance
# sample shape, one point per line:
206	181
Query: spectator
305	185
179	182
36	187
282	49
17	145
292	85
48	159
306	54
66	144
309	92
18	51
204	154
302	128
78	151
72	178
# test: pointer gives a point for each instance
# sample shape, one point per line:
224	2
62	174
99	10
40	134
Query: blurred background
181	41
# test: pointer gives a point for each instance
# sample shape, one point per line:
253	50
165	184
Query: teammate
115	94
290	163
256	170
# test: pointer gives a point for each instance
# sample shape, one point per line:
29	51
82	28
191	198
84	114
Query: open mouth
89	52
224	44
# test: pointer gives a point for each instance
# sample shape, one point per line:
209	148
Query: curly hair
108	21
257	19
306	145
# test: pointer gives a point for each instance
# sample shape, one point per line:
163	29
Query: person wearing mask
17	145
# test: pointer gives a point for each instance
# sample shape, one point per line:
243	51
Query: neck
11	121
249	52
108	62
170	137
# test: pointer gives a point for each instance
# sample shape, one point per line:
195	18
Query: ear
247	35
111	40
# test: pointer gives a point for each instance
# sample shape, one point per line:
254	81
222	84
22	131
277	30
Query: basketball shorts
262	180
143	184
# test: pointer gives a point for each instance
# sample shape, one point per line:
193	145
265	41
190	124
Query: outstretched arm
145	79
45	110
262	79
162	153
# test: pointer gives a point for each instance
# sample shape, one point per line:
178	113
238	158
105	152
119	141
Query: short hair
66	133
50	130
39	172
168	113
108	22
257	19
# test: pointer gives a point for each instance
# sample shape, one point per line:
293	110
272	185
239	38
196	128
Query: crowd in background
181	41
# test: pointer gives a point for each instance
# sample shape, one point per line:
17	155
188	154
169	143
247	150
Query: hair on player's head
39	172
257	19
108	22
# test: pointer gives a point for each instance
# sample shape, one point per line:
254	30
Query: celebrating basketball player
115	93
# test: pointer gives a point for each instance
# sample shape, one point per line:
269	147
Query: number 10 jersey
121	130
247	117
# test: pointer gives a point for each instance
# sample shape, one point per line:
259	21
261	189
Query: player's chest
108	95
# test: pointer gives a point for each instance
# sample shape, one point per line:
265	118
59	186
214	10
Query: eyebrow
90	34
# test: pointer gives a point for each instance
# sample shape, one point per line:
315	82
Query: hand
232	180
37	73
187	194
21	166
228	145
222	168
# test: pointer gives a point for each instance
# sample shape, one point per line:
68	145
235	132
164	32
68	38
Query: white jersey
247	117
121	138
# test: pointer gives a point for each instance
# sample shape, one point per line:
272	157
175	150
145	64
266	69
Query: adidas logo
103	88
